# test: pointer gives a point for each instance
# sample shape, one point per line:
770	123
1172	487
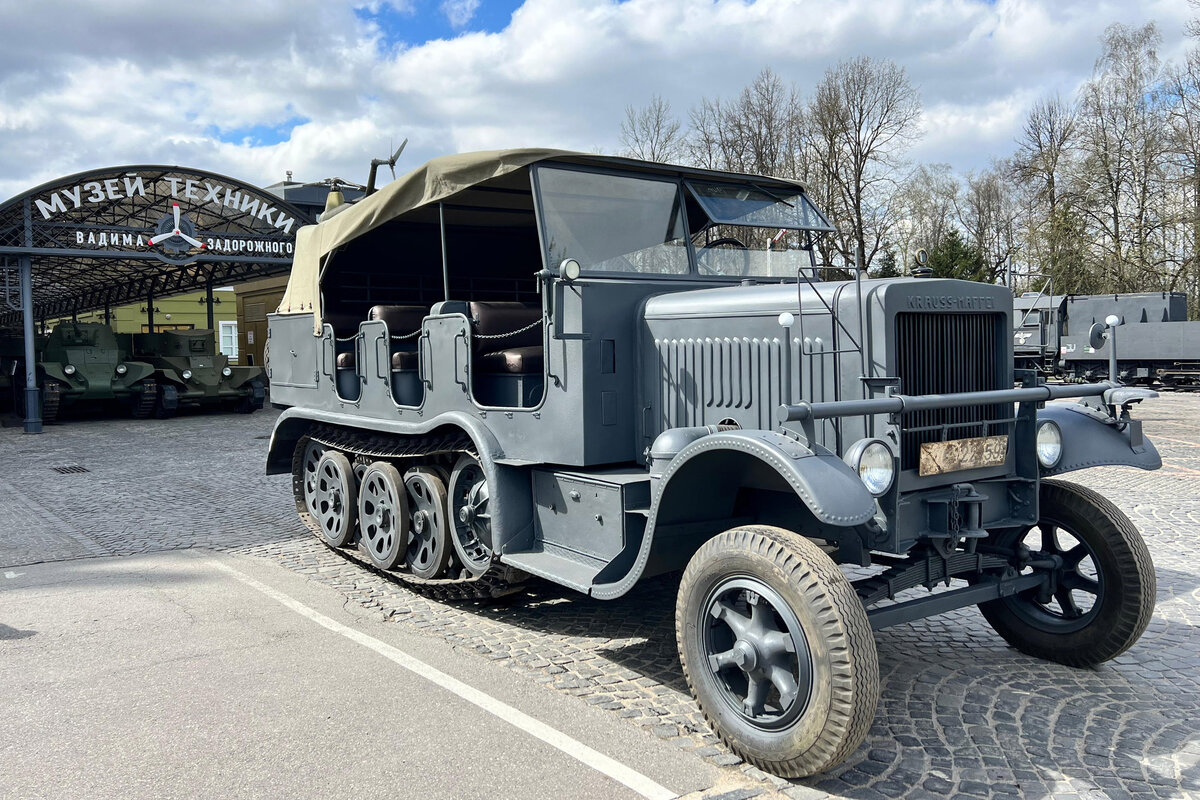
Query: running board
570	572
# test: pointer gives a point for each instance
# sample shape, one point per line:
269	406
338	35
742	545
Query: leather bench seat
516	360
346	360
404	359
519	354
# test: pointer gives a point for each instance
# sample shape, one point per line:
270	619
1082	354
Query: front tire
777	649
1104	591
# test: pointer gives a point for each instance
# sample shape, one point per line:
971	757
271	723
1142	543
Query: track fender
1089	441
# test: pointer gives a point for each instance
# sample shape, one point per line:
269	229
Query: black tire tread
1132	619
842	618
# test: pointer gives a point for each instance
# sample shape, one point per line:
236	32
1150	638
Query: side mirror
1097	336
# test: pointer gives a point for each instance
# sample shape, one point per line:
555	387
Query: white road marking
552	736
10	574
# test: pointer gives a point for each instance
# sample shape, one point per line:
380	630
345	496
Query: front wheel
777	649
1102	588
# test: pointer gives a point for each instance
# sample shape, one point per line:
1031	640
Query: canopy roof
436	181
111	236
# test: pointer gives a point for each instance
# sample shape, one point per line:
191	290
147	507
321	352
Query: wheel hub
746	656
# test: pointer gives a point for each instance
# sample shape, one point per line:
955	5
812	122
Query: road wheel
1102	593
336	506
777	649
383	515
470	515
429	532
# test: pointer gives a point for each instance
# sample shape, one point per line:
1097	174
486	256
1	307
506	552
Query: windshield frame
680	182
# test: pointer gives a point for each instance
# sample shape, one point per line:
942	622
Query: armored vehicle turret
83	364
597	370
190	372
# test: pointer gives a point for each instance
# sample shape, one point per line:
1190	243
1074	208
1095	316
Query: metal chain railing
528	327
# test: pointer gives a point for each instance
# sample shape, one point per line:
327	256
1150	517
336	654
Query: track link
143	404
51	398
362	446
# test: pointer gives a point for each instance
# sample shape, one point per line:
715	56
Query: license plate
938	458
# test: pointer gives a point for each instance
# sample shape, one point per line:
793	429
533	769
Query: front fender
701	480
137	371
826	484
1089	441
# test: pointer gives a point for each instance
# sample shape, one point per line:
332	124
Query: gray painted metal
33	403
666	388
1092	439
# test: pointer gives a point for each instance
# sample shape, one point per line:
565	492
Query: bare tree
652	133
1122	136
988	211
927	203
759	132
1182	94
865	114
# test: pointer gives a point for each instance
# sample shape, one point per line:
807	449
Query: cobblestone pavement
961	714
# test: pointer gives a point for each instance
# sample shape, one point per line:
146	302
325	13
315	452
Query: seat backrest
400	320
504	317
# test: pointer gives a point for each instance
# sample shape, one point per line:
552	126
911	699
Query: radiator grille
947	354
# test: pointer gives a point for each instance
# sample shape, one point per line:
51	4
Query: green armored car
190	372
82	364
595	370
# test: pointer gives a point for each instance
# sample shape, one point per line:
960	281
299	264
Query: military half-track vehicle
83	363
190	372
595	370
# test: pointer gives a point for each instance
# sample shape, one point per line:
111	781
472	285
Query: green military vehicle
83	363
189	371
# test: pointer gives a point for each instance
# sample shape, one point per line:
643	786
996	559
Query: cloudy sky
252	88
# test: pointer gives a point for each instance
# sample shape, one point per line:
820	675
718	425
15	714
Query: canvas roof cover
435	181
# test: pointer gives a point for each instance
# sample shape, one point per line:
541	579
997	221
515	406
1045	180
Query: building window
229	340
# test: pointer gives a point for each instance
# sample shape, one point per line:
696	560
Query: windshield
743	204
612	223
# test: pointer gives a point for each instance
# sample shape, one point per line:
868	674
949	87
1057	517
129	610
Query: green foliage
955	257
887	266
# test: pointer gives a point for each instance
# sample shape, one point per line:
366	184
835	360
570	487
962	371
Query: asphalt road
168	675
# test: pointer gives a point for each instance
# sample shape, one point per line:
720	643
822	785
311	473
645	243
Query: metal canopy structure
123	234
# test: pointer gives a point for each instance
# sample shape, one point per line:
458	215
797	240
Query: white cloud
459	12
202	84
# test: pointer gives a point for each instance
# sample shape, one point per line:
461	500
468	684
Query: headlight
873	462
1049	444
187	374
227	372
69	369
122	369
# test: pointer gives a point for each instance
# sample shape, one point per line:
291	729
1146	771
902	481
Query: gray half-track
596	370
189	372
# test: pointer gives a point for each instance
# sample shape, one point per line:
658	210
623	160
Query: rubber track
843	620
497	581
144	406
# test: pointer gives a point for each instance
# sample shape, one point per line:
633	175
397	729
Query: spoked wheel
336	507
1100	596
383	515
470	515
428	543
313	451
777	649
